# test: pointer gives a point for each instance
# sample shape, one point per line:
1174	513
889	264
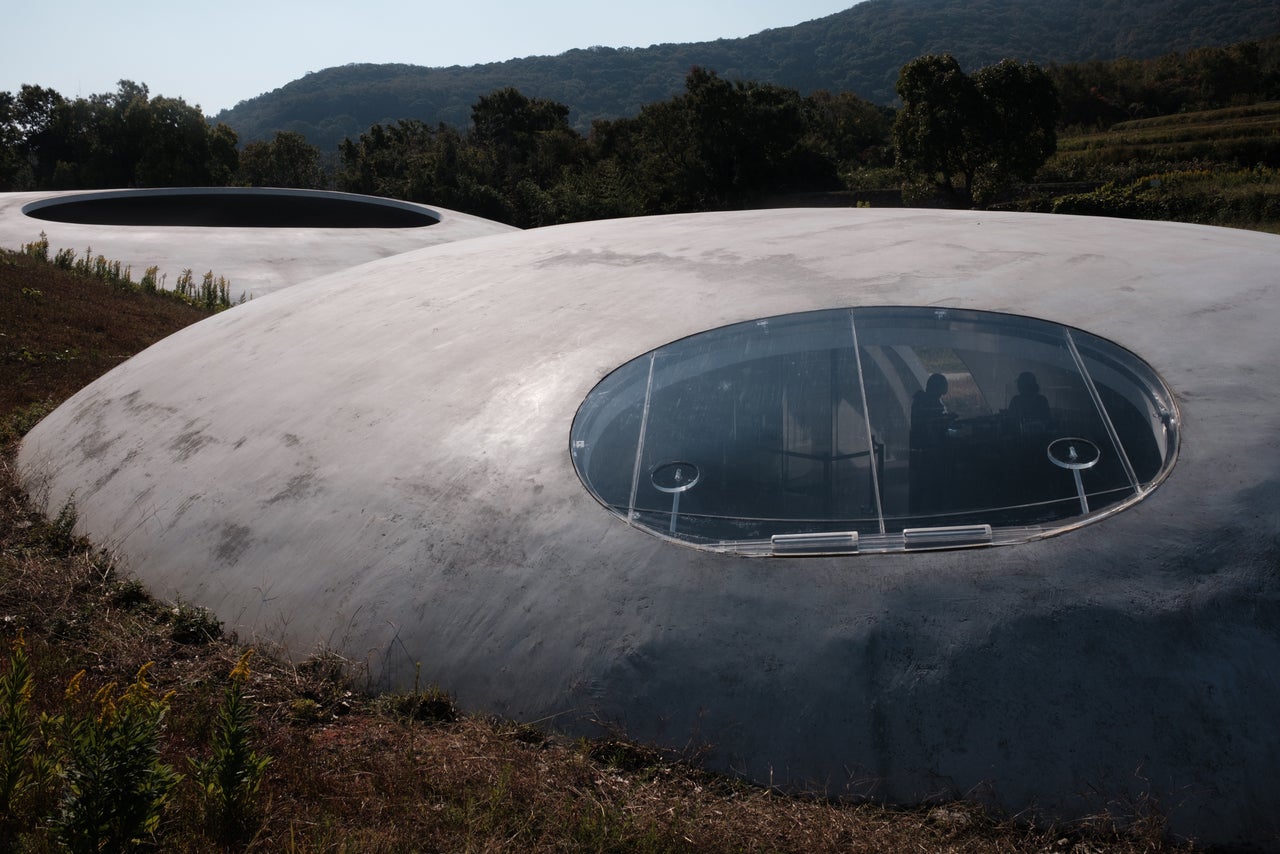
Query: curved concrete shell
380	462
260	240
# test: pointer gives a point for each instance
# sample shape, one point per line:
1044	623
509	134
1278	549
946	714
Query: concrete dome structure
259	239
381	462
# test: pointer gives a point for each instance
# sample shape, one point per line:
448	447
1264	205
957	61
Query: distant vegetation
1099	94
1248	198
959	138
859	50
972	136
121	139
1217	167
1246	135
718	145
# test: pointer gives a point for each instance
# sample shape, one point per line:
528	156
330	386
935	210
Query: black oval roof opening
231	207
875	429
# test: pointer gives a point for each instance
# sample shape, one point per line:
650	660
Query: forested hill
858	50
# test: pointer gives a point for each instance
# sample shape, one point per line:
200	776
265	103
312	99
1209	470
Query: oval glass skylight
875	429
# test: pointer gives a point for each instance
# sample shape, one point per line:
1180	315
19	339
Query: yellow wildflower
240	673
73	686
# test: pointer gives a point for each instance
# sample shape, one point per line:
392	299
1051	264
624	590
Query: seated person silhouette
1029	409
929	456
1029	475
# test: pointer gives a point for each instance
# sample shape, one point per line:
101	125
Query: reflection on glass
868	422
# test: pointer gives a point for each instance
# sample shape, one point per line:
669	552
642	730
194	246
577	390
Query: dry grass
58	331
357	773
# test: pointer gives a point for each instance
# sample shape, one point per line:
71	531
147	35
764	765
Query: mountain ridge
859	49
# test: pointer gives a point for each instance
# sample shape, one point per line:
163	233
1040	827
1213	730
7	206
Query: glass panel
606	432
769	416
966	404
1140	410
874	421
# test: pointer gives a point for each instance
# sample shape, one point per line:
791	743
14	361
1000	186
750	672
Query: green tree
224	159
518	148
288	160
971	137
746	136
15	172
847	130
599	190
175	152
408	160
1021	111
120	139
387	160
36	118
938	135
1098	94
721	144
131	122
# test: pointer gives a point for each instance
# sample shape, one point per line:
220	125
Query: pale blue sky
218	54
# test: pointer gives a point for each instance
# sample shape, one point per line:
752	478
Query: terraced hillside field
1241	136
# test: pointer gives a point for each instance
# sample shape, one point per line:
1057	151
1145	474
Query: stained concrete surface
378	463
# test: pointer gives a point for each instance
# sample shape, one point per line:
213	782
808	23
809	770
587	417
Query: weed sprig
91	770
212	294
230	778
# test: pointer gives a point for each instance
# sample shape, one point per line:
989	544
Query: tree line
718	144
128	138
858	50
1096	95
122	139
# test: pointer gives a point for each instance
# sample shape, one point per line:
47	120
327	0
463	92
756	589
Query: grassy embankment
348	771
1207	167
1214	167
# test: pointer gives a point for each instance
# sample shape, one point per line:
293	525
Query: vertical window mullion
1102	412
644	426
866	415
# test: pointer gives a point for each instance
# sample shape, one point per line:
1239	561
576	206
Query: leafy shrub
91	773
214	294
429	704
183	287
304	710
58	535
114	786
20	775
131	594
326	679
38	249
1198	195
621	754
193	624
149	280
230	778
